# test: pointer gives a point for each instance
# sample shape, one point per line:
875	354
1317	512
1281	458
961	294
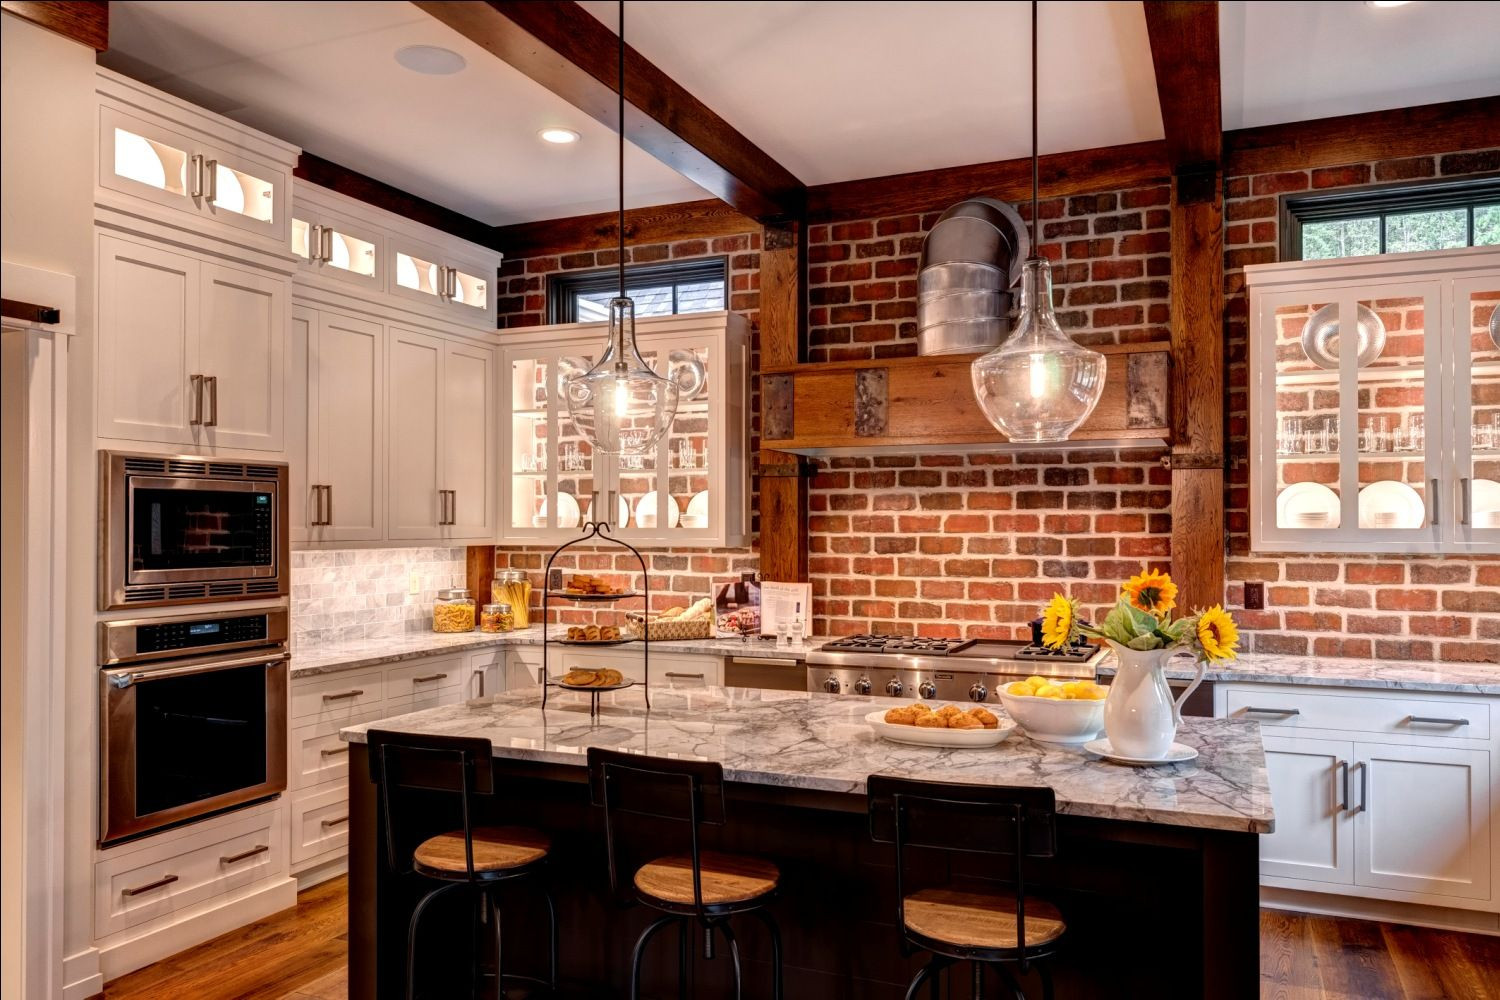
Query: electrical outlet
414	585
1255	596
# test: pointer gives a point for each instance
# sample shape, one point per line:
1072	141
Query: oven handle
124	677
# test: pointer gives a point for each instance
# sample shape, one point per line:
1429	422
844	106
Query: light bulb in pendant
1038	376
622	397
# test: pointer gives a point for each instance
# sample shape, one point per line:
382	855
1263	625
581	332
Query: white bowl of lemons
1055	711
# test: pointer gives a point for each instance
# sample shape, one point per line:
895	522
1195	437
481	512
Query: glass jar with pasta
513	587
453	611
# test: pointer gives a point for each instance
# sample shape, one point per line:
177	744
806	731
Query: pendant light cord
620	174
1036	247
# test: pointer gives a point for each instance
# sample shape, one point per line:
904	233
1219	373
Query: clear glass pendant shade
621	405
1039	384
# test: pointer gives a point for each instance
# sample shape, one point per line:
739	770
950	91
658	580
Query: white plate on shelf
1177	753
697	507
1307	505
1484	499
1389	505
567	512
645	511
953	739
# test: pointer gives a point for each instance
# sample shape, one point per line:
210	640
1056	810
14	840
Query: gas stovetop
912	644
954	669
959	649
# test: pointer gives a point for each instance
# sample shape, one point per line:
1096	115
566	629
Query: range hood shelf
904	405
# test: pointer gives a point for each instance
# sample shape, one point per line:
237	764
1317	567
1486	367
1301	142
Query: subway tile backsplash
367	593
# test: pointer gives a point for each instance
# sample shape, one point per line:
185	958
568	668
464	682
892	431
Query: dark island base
1152	910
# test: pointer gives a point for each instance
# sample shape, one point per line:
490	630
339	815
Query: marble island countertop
820	742
1331	671
309	659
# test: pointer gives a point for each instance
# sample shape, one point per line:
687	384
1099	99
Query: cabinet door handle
1430	720
1343	765
325	244
1464	501
1364	786
315	243
317	504
196	160
429	677
452	289
1283	713
212	381
342	695
325	824
328	514
137	890
197	389
257	849
696	677
334	751
1433	506
211	168
480	674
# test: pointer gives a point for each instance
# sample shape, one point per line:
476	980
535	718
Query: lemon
1036	681
1018	688
1049	691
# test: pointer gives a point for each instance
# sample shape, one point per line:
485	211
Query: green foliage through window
1368	221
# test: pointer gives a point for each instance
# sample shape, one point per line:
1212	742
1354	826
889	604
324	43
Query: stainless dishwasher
773	672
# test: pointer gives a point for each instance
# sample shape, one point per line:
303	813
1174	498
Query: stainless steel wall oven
183	530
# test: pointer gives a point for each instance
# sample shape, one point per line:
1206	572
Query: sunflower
1218	636
1151	591
1059	621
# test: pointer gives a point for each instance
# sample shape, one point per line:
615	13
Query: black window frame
563	289
1382	200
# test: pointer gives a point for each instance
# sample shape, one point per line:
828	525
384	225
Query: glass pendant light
621	405
1039	384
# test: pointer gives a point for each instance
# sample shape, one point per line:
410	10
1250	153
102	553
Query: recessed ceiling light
430	59
1387	3
560	136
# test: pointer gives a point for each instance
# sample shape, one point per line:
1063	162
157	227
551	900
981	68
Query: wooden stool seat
496	849
980	920
727	878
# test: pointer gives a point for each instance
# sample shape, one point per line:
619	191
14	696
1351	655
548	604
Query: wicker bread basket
666	629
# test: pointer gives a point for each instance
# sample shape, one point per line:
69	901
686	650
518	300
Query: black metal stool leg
1045	974
734	955
926	974
494	902
640	949
775	932
978	980
552	939
684	932
411	936
1010	981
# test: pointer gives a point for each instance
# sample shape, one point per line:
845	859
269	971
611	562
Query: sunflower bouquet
1142	620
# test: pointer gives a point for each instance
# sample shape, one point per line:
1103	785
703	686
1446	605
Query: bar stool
480	859
956	924
708	887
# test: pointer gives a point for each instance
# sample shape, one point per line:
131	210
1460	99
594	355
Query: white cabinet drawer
317	753
1440	718
166	878
320	823
484	673
336	697
686	670
423	678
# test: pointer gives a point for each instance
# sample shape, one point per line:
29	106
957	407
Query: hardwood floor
299	955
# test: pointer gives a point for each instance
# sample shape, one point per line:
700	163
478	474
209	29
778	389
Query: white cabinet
1376	795
1394	444
338	247
437	276
345	495
193	350
691	490
441	402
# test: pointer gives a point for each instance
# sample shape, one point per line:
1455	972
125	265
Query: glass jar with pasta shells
496	618
453	611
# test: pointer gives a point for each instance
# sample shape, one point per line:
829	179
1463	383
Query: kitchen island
1156	871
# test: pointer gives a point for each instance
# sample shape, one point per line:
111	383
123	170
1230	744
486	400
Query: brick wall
1388	606
678	576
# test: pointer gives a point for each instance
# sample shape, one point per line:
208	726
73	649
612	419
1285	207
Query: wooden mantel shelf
902	405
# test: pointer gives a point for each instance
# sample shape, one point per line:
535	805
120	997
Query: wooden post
783	489
479	571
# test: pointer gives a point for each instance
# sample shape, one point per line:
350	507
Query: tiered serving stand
596	531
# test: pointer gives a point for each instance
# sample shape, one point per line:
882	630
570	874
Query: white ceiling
323	76
839	91
1350	57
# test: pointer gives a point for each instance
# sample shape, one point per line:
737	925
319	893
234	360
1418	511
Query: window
658	290
1370	221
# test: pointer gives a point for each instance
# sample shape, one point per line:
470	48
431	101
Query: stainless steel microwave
185	530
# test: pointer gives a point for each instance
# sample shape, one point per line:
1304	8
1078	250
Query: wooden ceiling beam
1184	37
690	220
84	21
565	49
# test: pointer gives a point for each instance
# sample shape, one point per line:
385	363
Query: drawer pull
334	822
1427	720
765	661
164	880
1364	786
334	751
1343	765
1283	713
342	695
429	677
694	677
257	849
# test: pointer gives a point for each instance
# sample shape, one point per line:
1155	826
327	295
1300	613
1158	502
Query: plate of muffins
923	725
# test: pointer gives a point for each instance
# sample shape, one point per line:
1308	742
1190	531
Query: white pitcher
1140	717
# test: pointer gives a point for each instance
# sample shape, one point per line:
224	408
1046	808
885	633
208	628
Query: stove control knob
832	685
927	690
862	686
978	692
894	687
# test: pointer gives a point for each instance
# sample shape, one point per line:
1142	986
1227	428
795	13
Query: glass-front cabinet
692	489
1375	404
338	247
430	275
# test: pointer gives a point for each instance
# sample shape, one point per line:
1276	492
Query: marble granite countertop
820	742
1329	671
309	659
